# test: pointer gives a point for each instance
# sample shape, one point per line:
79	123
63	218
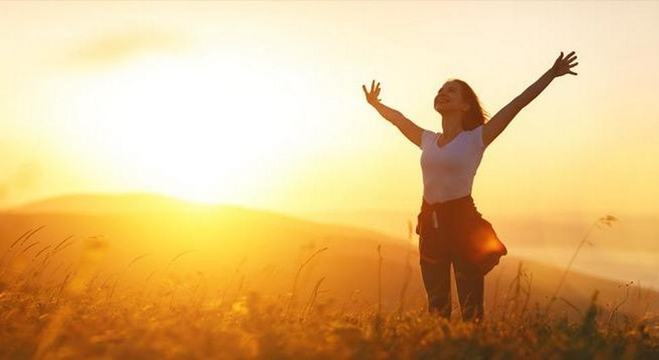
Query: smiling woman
188	128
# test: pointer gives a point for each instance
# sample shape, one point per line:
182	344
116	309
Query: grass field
86	315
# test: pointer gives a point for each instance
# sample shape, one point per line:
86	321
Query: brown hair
476	115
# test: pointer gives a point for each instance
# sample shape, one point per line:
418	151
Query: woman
451	230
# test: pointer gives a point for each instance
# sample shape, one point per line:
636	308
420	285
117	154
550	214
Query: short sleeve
477	137
427	137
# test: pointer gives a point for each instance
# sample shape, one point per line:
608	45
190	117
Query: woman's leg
437	281
470	283
435	264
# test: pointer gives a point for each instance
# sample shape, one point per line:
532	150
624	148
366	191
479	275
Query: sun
188	128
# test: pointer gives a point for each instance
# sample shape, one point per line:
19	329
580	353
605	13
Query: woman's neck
451	124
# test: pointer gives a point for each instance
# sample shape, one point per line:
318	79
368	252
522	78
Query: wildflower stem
606	220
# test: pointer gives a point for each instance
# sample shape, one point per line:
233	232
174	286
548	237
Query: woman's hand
411	131
372	96
564	65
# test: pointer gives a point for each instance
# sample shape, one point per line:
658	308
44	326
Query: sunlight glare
190	128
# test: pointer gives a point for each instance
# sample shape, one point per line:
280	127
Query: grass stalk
605	220
297	277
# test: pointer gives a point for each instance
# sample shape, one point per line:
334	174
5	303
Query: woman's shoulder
476	135
476	130
472	132
428	137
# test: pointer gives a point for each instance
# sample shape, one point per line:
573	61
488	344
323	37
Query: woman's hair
475	116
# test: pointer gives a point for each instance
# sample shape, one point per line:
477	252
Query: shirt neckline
448	143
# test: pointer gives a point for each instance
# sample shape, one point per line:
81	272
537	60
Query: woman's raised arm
405	125
494	127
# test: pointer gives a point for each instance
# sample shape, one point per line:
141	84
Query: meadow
75	296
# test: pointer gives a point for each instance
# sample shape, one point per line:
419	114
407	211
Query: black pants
445	230
469	281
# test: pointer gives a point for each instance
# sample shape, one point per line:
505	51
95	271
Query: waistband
459	203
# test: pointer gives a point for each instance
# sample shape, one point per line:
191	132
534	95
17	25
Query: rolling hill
149	239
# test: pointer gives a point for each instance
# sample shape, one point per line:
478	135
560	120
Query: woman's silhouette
451	230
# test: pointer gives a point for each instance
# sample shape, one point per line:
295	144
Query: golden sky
260	103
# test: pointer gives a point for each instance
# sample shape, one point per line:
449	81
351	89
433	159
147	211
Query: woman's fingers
571	62
564	64
375	88
570	57
372	95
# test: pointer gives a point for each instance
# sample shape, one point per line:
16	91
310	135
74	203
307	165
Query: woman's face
449	98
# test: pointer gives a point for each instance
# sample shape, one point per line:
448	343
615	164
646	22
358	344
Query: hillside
148	239
89	204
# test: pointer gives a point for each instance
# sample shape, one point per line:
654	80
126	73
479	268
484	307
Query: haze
260	103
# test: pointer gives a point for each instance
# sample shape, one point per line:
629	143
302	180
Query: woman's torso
449	170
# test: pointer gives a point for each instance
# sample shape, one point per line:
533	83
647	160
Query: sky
260	103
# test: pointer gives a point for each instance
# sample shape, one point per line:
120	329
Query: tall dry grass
174	316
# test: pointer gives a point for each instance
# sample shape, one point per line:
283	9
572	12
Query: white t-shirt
449	171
